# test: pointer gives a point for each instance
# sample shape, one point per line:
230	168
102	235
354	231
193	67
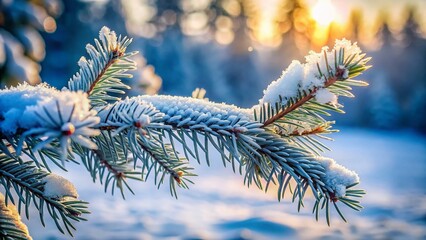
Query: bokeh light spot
49	25
323	12
224	37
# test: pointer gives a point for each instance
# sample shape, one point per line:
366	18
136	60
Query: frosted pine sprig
315	73
305	84
108	63
135	138
49	115
32	185
251	142
200	114
64	118
231	124
128	113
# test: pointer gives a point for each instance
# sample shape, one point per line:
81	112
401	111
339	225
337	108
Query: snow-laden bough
274	142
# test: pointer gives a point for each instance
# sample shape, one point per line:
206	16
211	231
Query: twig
330	81
110	168
116	55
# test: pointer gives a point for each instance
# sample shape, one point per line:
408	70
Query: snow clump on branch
337	178
58	187
313	74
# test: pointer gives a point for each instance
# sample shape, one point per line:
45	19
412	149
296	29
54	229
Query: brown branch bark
107	128
175	174
316	130
110	168
116	54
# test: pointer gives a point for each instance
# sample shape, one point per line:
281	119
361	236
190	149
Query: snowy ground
391	166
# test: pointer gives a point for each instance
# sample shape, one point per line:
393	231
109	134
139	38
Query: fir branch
115	55
140	123
263	154
111	168
312	88
28	183
302	100
108	63
118	172
272	143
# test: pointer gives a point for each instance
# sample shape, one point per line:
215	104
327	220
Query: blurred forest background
231	48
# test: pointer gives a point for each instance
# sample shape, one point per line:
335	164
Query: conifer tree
119	140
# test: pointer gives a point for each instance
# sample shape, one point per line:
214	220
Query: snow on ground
391	166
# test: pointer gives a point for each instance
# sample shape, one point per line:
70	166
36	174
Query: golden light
262	22
224	33
232	7
266	29
195	23
224	37
323	12
267	32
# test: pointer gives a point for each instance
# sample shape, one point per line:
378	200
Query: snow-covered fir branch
229	129
108	62
314	85
49	115
47	191
135	138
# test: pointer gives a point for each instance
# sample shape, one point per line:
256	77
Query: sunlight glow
323	12
266	29
267	32
263	23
